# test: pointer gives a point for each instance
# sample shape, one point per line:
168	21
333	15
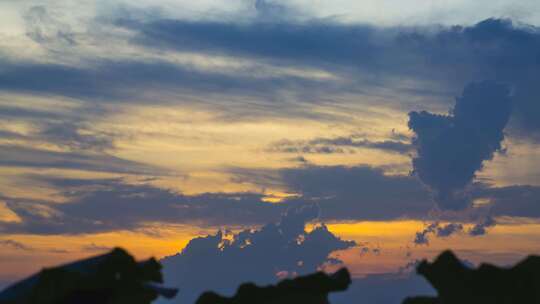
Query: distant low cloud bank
222	261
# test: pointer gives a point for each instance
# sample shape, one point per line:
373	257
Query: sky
270	138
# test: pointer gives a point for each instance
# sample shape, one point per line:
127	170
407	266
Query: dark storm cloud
452	148
342	144
222	261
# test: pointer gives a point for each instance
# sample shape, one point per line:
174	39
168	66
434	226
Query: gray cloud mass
452	148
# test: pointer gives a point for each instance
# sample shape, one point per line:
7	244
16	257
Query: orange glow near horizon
503	244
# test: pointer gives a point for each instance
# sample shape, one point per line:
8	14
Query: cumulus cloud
480	228
449	229
435	228
222	261
452	148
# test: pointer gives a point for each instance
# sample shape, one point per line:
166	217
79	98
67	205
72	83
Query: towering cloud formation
451	148
222	261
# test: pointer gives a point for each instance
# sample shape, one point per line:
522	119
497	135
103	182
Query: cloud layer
222	261
452	148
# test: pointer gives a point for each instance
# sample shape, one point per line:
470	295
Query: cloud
421	238
452	148
42	28
93	248
449	229
20	156
411	64
442	59
435	228
358	192
272	10
345	192
112	204
480	228
342	193
11	112
514	201
312	42
93	205
366	248
15	245
76	137
342	144
222	261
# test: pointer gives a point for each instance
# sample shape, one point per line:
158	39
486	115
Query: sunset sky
410	126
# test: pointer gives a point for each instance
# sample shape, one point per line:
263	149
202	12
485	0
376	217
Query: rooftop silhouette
457	283
112	278
313	289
